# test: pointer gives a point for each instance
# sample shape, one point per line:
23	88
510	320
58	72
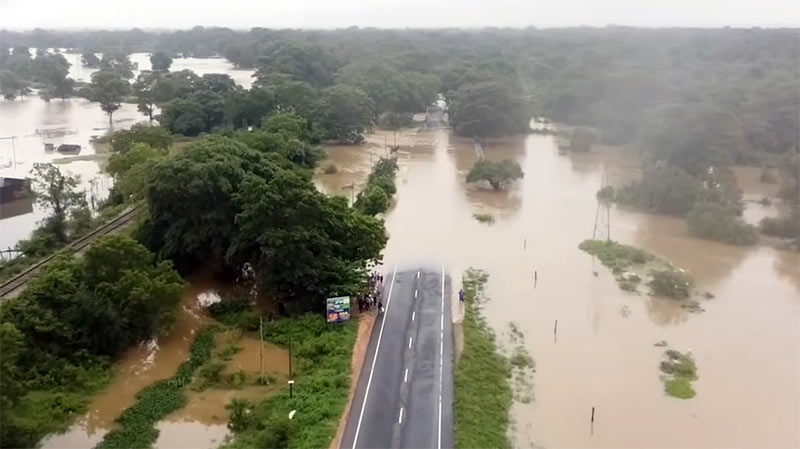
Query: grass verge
680	370
321	354
482	388
137	423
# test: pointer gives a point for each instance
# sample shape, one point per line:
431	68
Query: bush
235	312
681	371
784	227
484	218
322	356
615	256
717	222
671	283
137	423
330	169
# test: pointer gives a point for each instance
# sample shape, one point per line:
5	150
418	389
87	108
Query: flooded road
746	343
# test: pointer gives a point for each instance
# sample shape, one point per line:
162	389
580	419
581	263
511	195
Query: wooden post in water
261	346
555	331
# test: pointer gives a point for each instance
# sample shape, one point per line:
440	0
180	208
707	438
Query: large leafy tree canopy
497	173
224	203
487	109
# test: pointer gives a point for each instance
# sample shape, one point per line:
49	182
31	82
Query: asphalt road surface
404	397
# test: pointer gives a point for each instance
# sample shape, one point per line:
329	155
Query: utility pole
261	346
291	377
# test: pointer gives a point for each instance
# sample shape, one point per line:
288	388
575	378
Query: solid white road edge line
374	359
441	349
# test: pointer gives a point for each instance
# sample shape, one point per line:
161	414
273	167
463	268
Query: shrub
671	283
717	222
615	256
484	218
330	169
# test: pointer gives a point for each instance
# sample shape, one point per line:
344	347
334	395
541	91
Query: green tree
303	245
221	84
160	61
119	63
12	86
498	174
154	136
190	197
717	222
662	189
146	90
312	63
114	296
57	192
693	137
487	109
89	59
373	202
108	89
183	116
346	113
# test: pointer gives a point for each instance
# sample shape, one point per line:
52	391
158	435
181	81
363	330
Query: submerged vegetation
322	356
137	423
482	396
377	194
663	278
484	217
679	371
60	334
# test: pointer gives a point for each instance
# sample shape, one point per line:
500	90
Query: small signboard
338	309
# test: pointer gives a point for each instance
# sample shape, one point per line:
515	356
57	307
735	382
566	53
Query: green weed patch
482	377
137	423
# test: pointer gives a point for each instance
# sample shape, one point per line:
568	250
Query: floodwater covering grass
137	423
614	255
321	354
680	370
484	218
664	279
482	377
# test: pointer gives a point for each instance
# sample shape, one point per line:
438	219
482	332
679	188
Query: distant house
434	116
66	148
12	189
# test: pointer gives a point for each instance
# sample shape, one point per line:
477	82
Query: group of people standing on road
371	299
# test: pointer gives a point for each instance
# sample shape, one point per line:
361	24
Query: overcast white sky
27	14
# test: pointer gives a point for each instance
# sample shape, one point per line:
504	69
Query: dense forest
240	197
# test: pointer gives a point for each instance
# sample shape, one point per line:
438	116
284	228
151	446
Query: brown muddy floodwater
202	423
32	122
746	343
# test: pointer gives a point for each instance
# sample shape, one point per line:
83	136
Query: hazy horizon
21	15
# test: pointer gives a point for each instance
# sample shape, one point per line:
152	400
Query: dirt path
365	324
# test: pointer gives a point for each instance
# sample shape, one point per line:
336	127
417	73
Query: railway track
15	284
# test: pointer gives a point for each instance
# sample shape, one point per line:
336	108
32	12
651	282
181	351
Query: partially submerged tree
89	59
497	174
108	89
160	61
58	193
